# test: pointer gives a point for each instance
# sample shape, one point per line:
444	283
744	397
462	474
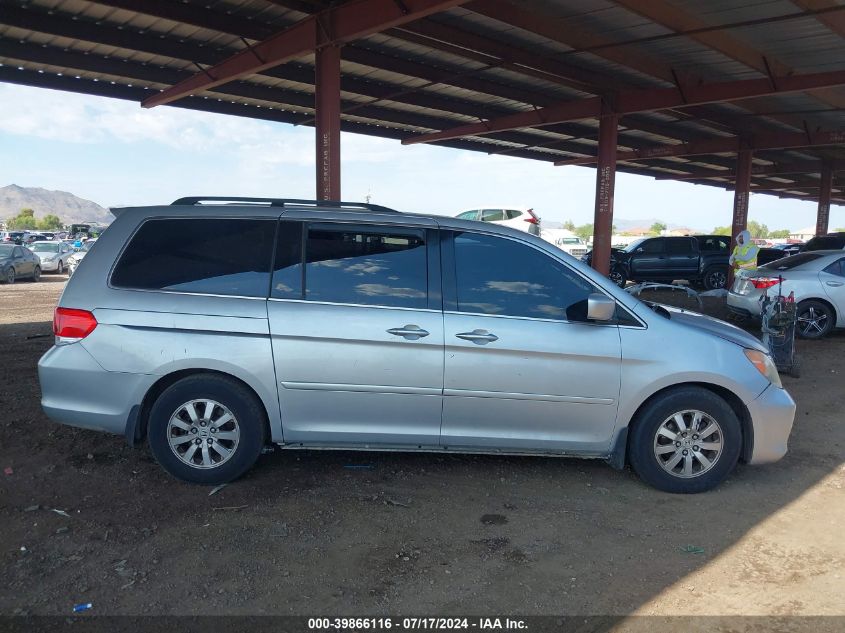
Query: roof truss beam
350	21
782	140
633	101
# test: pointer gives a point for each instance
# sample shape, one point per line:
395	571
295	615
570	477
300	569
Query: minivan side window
371	266
199	255
492	215
499	276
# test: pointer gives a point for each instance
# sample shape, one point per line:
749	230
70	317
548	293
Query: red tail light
533	219
71	323
765	282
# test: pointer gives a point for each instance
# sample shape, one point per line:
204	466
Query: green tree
23	220
569	225
779	234
757	229
657	228
839	230
722	230
585	231
50	222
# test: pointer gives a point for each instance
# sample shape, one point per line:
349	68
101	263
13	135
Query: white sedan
523	219
54	255
816	277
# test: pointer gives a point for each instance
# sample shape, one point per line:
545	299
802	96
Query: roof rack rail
283	202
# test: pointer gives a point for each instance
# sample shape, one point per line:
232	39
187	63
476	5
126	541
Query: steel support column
823	214
742	191
327	119
605	183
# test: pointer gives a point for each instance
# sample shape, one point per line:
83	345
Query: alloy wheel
10	275
203	433
688	443
812	322
717	279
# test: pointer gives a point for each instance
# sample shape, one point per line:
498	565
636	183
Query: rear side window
200	255
382	266
513	214
719	244
836	268
679	246
503	277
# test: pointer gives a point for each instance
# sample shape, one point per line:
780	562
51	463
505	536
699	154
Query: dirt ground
87	519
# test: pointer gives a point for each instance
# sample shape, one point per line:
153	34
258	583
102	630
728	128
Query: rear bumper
772	415
77	391
746	305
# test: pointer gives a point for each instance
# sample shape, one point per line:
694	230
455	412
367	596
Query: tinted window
386	267
788	263
825	242
513	214
287	270
651	247
836	268
205	255
503	277
679	246
718	243
492	215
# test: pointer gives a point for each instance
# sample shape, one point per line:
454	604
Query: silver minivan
212	327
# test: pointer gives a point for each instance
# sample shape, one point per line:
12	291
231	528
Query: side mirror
600	307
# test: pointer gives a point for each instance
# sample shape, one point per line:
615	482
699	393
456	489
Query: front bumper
77	391
50	266
772	415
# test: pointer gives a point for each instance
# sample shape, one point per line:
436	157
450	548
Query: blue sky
116	153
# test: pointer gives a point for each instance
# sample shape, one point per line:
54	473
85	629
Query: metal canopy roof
693	81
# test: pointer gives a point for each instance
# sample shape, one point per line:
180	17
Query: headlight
765	365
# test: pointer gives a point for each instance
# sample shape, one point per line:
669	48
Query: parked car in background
778	251
54	255
520	219
18	262
817	279
508	347
16	237
700	259
78	255
575	246
831	241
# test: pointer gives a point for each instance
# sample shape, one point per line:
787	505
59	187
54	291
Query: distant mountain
70	208
627	225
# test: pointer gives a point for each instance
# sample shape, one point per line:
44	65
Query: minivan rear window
199	255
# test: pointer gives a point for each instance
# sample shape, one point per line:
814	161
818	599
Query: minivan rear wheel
206	429
686	440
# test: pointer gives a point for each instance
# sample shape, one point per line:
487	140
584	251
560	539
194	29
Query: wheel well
165	381
728	396
824	301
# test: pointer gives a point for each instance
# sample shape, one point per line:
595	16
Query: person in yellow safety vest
745	252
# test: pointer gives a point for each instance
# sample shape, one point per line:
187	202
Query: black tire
36	274
815	319
645	427
795	369
9	276
715	277
617	275
247	410
60	268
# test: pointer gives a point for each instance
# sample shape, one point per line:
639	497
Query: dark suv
700	259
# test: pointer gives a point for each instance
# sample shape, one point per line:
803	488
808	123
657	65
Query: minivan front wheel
685	440
206	429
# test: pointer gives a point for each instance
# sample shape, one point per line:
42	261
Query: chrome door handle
835	284
410	332
479	337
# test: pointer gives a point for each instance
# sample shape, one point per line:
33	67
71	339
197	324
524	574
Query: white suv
521	219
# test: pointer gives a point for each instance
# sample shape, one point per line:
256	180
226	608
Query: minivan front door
524	370
357	334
